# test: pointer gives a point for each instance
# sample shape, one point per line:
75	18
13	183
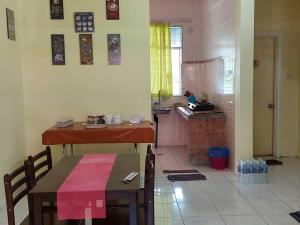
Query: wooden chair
17	185
39	165
149	150
149	190
151	159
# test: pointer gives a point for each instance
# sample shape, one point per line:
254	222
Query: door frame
277	36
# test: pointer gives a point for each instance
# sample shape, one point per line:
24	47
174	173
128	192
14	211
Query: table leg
135	148
37	210
64	150
72	149
156	129
133	214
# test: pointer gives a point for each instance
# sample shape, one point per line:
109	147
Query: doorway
264	95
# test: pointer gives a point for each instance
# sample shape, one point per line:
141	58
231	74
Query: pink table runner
82	195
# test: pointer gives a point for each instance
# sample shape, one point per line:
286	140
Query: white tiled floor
220	200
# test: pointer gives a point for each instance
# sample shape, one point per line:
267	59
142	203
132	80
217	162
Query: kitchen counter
204	130
188	114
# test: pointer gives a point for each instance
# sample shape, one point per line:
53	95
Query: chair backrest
149	150
151	154
39	165
17	185
149	189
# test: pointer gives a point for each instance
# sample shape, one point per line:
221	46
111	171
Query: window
176	45
228	75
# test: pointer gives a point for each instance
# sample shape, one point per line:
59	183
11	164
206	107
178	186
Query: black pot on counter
202	106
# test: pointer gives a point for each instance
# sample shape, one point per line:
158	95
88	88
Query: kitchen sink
161	110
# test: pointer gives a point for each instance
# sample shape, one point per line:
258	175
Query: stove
201	107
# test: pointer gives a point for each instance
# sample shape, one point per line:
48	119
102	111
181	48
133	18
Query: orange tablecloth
78	134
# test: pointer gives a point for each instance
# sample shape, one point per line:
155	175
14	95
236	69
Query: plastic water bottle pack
252	171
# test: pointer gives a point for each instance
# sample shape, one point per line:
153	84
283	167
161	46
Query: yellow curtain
161	60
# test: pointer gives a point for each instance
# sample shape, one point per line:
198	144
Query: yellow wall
283	16
12	149
74	90
244	79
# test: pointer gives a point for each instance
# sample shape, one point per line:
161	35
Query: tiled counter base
204	130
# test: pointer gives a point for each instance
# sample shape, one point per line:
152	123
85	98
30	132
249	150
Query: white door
264	80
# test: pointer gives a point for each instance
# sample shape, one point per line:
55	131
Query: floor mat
180	171
273	162
186	177
296	215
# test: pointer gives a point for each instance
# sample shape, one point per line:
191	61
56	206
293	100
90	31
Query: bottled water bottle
248	172
251	174
252	171
244	172
257	178
239	168
265	171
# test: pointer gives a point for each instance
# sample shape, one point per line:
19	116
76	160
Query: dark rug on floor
296	215
180	171
186	177
273	162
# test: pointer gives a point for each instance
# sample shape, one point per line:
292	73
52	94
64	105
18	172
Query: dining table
46	190
78	133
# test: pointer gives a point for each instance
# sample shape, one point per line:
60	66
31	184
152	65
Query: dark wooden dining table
46	189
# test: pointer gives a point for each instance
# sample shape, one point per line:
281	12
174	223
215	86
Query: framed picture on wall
112	10
114	49
10	18
84	22
58	49
57	9
86	49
